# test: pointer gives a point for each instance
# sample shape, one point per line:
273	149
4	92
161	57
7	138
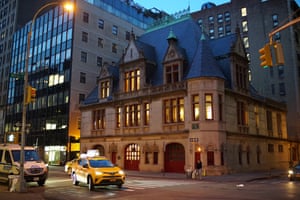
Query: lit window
245	26
196	107
246	42
132	81
174	110
118	117
132	115
208	106
105	88
244	12
146	113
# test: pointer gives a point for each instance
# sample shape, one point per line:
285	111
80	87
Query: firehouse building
176	97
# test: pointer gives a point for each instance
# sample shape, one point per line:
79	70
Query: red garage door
174	158
132	157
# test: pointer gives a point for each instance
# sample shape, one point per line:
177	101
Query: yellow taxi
97	171
69	165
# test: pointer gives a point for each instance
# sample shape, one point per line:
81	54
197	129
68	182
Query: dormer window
132	80
105	88
172	73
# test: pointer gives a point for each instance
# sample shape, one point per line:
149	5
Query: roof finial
171	35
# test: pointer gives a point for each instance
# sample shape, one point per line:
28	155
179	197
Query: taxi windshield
30	155
100	163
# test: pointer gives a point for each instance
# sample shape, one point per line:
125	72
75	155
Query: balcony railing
152	91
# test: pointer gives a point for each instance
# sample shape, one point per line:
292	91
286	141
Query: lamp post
22	186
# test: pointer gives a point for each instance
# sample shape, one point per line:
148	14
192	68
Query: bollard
13	181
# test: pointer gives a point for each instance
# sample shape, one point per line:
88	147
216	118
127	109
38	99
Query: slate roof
92	97
205	58
187	33
204	64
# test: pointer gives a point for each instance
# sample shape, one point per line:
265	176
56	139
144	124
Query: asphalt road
59	187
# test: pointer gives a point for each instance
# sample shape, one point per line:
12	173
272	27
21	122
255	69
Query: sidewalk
238	178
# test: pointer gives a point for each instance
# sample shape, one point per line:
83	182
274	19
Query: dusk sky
171	6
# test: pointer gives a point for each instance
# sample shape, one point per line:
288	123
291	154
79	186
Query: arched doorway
174	158
132	157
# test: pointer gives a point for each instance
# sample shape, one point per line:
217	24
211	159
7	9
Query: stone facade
163	122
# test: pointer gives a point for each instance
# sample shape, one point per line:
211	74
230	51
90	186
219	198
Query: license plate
36	179
112	180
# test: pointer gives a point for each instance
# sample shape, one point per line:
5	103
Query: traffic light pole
266	51
294	21
22	182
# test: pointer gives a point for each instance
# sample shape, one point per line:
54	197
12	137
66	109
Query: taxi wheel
91	184
74	179
120	186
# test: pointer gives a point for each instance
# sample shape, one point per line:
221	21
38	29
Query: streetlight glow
68	6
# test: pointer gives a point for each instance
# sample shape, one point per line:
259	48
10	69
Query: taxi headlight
121	172
99	173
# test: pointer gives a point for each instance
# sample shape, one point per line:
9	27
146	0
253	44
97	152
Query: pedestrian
199	169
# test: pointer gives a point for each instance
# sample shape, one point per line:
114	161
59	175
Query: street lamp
67	6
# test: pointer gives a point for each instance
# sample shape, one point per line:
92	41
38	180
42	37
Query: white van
35	170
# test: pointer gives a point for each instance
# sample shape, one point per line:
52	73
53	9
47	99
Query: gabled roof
147	49
187	33
204	63
204	58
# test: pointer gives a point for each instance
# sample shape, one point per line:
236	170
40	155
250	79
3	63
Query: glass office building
49	72
64	61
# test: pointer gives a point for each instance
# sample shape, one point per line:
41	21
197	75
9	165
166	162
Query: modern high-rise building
13	14
256	20
66	53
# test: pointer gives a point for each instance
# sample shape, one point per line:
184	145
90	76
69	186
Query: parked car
294	172
97	171
35	170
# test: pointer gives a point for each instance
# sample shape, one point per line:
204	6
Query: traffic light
279	54
266	56
30	94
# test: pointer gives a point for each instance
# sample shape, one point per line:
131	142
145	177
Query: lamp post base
22	186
